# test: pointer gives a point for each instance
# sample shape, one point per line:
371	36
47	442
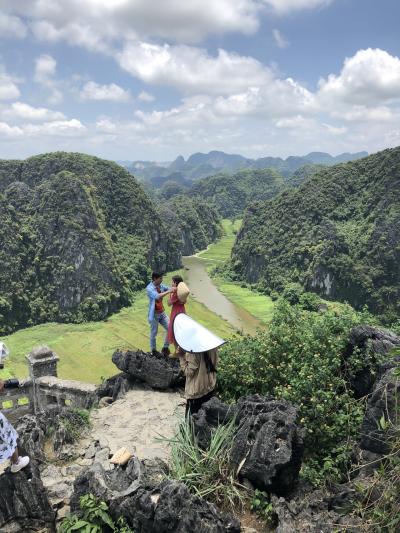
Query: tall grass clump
207	473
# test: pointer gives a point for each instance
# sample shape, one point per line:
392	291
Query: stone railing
15	403
44	389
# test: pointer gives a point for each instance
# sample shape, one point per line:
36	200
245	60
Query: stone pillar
42	362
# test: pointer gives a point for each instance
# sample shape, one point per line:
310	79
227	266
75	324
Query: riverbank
259	306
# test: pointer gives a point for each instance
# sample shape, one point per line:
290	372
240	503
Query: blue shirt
153	295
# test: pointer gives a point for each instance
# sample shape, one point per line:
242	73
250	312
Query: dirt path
136	421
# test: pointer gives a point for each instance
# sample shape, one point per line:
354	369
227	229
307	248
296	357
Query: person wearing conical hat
177	299
198	358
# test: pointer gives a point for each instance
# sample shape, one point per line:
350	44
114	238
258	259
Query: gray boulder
149	503
269	442
268	445
212	413
156	370
316	511
383	404
375	343
24	504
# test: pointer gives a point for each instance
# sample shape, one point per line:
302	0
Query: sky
154	79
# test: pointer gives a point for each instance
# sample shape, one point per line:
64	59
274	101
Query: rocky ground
136	422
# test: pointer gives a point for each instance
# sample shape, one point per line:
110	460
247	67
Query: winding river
203	289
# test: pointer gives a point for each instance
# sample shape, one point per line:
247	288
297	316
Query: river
203	289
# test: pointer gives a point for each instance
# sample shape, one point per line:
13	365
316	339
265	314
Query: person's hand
1	385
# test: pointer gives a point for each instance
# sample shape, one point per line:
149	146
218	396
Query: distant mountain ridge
201	165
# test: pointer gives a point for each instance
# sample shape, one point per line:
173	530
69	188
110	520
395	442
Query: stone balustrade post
42	361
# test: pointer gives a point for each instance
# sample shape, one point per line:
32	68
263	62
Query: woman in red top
177	307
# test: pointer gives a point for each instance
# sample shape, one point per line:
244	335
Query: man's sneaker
20	464
154	352
165	351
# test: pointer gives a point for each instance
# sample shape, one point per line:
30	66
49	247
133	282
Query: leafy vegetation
207	473
337	234
232	193
95	519
193	221
299	359
78	235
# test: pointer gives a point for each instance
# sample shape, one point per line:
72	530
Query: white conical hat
193	337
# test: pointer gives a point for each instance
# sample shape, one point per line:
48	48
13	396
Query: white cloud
45	70
98	23
27	112
192	69
11	26
286	6
56	128
111	92
8	87
10	131
370	77
146	97
280	40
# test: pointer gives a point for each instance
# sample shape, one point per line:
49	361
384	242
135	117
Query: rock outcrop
267	447
150	504
156	370
374	343
269	441
316	511
382	410
24	504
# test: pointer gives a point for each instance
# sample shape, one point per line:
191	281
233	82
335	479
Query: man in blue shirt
156	291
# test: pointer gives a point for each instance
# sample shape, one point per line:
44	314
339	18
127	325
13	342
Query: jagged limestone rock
382	411
150	504
268	446
24	504
376	342
156	370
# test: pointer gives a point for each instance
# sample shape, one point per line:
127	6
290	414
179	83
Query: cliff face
78	235
337	234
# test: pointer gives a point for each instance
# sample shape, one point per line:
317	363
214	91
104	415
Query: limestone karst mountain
78	235
337	234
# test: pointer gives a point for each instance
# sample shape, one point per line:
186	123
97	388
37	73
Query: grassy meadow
85	350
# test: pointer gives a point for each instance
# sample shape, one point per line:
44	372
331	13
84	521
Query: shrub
292	293
95	519
299	359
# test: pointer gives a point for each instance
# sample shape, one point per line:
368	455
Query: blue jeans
159	318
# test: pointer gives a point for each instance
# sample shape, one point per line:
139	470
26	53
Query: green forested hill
337	234
192	220
77	237
232	193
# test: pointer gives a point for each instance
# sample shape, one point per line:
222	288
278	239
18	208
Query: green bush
292	293
299	359
95	519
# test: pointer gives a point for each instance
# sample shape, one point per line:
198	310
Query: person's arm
152	293
190	364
